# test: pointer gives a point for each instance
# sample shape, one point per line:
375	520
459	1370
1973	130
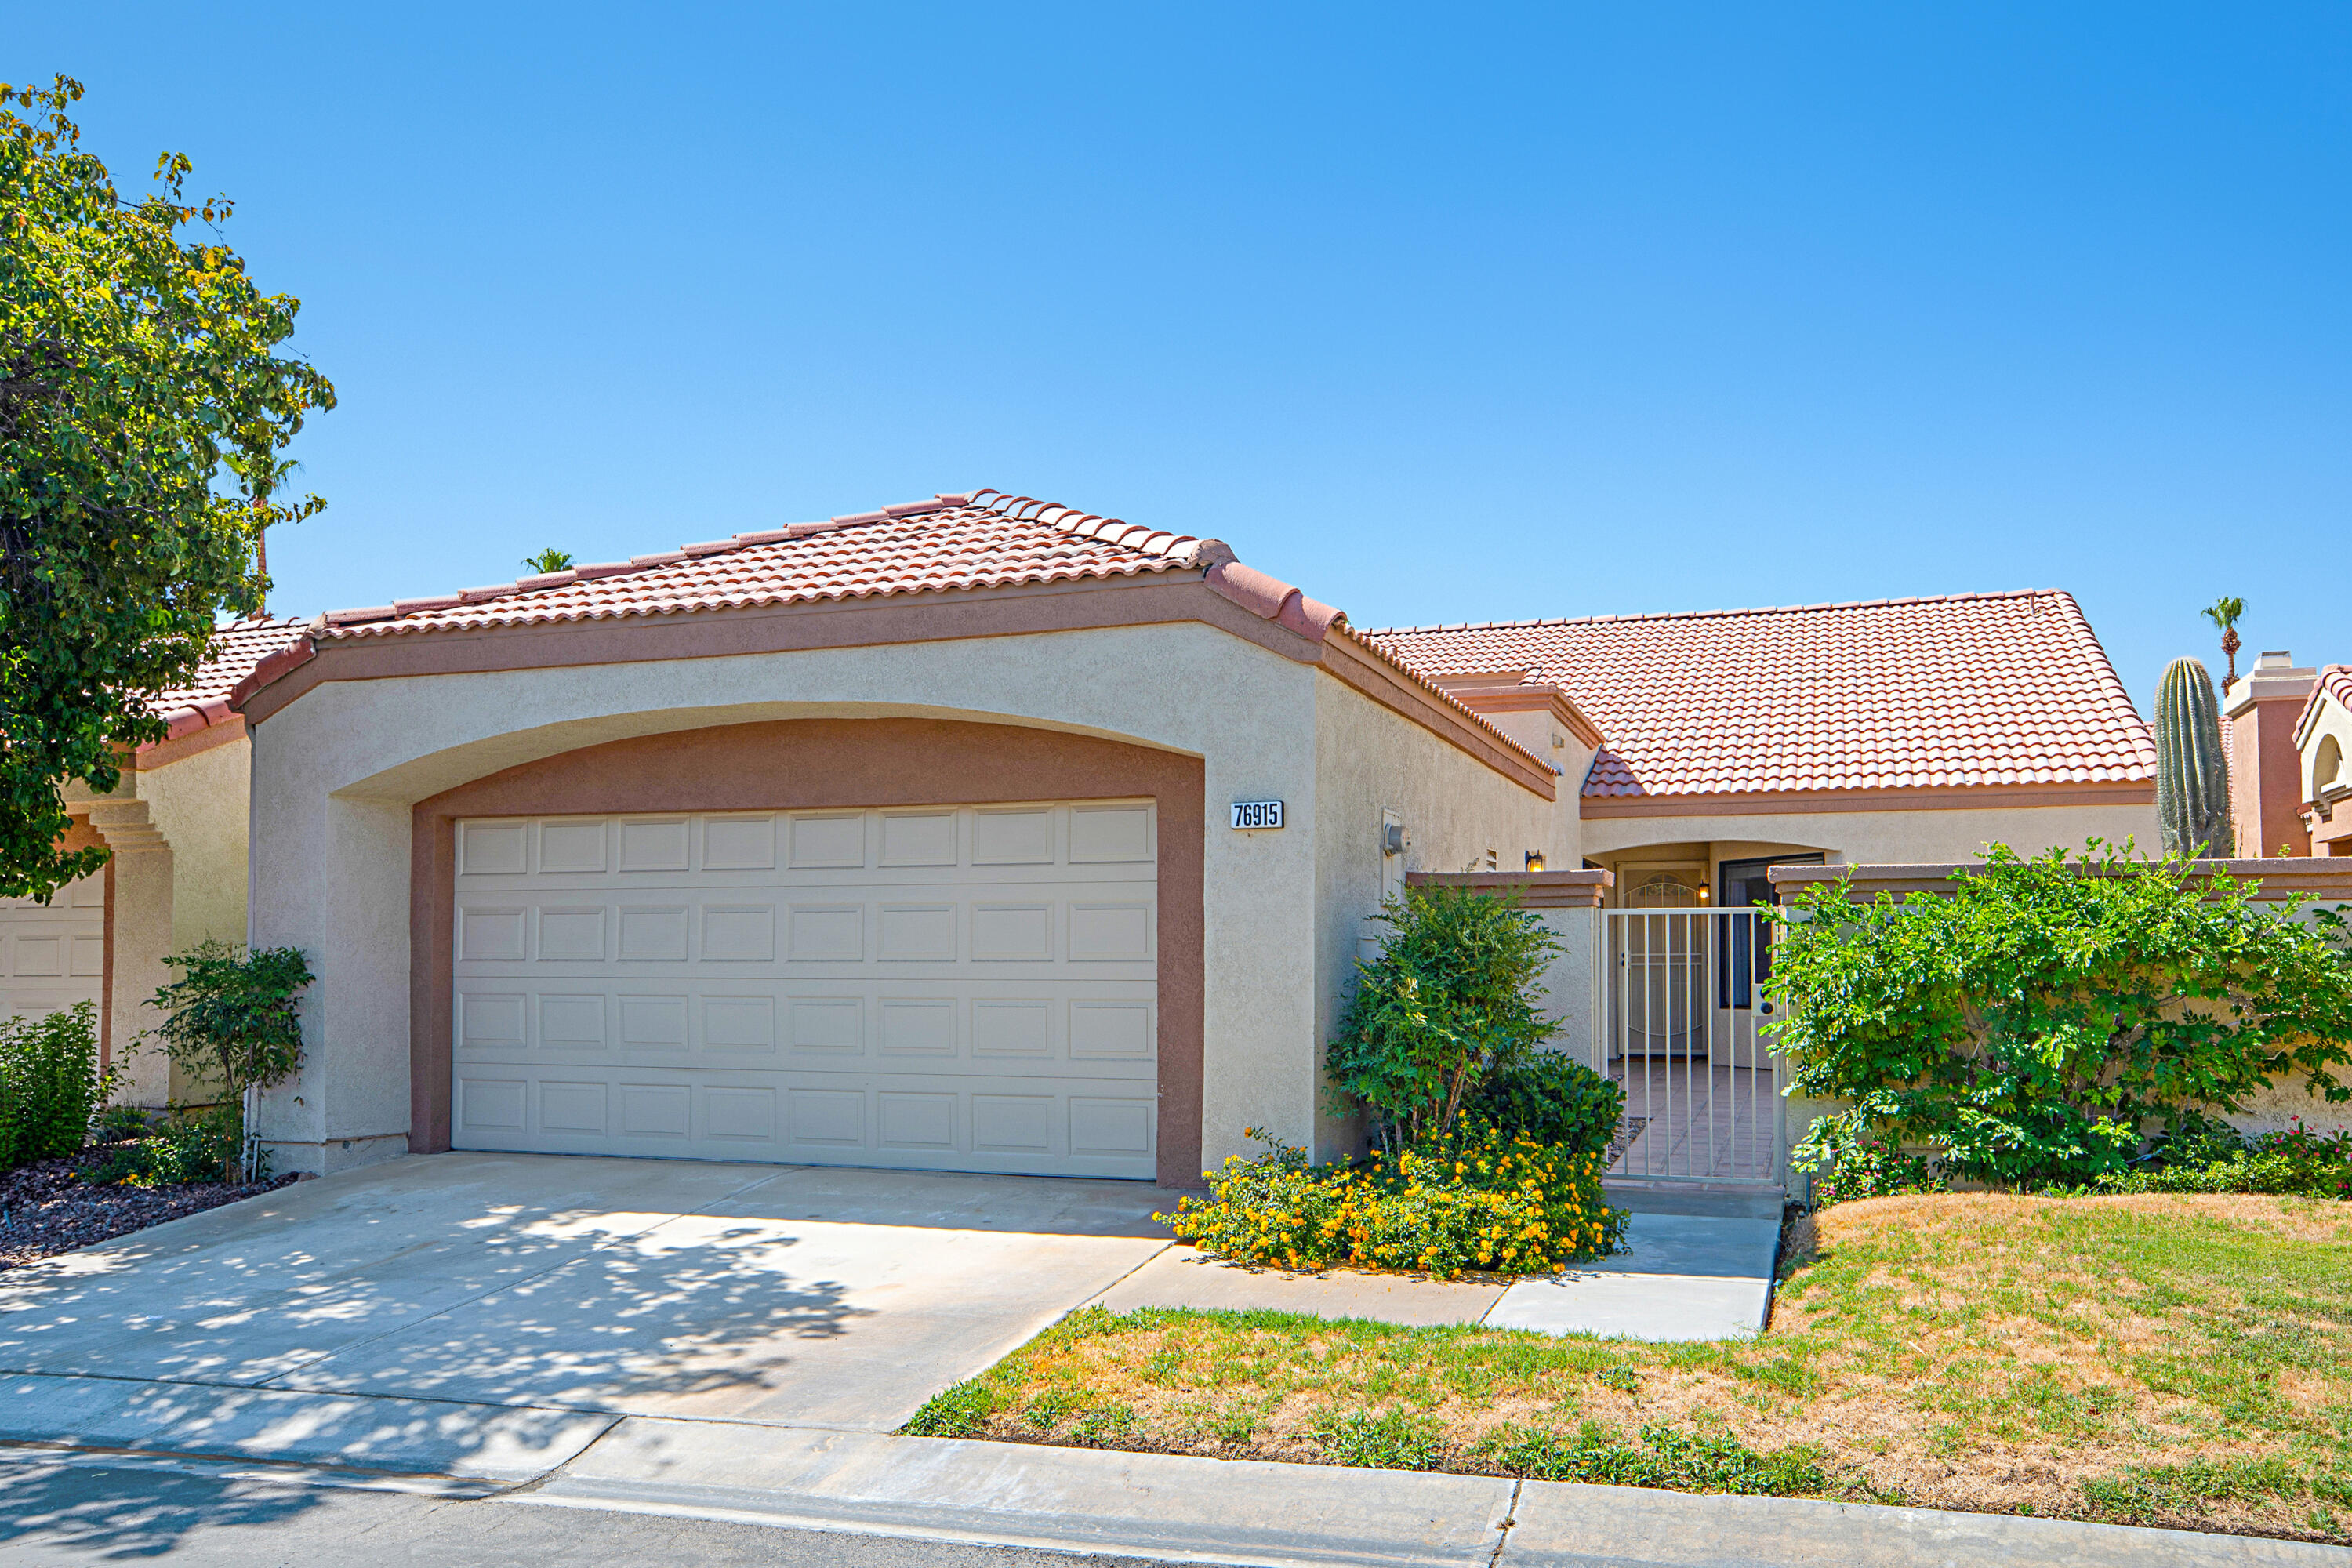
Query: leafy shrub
50	1084
2031	1027
189	1146
1550	1099
1666	1455
2294	1161
118	1124
1452	994
1477	1198
231	1019
1855	1165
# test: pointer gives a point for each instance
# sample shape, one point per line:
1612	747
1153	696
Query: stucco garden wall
336	772
1368	761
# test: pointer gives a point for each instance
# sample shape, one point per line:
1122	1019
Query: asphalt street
85	1510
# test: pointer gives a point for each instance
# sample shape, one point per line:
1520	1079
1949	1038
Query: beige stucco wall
1887	837
1540	732
336	772
177	834
1368	761
2332	719
1573	995
2331	834
201	805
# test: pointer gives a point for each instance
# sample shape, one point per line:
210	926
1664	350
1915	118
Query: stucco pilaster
140	939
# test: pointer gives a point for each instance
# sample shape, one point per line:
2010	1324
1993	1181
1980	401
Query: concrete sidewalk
1239	1511
1696	1266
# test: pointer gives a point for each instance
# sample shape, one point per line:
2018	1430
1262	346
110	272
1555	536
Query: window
1748	961
1662	891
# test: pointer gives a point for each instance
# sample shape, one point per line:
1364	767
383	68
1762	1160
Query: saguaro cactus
2192	777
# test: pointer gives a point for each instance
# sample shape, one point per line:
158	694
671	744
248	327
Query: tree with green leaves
548	560
142	406
1451	997
2224	613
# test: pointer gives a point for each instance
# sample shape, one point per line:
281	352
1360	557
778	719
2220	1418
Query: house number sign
1249	814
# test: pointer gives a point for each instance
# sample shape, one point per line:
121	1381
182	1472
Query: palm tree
262	478
547	560
2224	613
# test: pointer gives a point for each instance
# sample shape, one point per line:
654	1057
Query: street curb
1008	1494
504	1444
1271	1515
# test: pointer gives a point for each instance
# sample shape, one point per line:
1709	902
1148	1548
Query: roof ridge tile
931	559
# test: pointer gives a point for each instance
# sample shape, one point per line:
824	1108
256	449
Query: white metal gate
1682	1033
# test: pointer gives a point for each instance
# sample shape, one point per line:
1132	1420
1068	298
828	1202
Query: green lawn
2183	1360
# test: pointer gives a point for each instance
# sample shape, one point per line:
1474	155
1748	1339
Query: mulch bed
45	1209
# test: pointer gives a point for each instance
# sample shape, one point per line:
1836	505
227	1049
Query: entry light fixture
1535	859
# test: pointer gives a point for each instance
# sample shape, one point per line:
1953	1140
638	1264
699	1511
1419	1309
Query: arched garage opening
914	943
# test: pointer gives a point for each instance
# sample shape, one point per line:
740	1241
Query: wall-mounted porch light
1535	859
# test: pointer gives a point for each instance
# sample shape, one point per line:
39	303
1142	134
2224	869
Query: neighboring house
2260	712
2323	738
1895	731
176	825
2286	729
909	838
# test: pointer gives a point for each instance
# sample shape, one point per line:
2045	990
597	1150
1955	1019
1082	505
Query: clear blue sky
1443	313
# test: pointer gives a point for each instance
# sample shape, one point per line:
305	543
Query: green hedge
2042	1024
1548	1099
50	1084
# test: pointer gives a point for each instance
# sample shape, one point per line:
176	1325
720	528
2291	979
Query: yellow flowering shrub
1477	1199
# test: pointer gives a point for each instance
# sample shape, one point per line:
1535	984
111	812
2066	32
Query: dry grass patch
2183	1360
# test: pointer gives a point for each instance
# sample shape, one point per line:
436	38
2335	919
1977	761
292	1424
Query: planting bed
46	1210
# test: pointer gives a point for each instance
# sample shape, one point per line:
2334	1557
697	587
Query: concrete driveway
389	1315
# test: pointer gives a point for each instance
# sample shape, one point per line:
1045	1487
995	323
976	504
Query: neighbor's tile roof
1975	688
2335	680
983	540
236	649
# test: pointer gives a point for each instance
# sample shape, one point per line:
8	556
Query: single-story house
985	834
1873	732
2285	730
176	825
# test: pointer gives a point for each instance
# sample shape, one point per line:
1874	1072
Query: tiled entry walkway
1697	1121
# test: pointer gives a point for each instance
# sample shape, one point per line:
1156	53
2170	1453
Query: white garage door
53	957
967	988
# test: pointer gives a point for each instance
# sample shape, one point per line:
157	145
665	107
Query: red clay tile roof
985	539
2335	680
236	649
1975	688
